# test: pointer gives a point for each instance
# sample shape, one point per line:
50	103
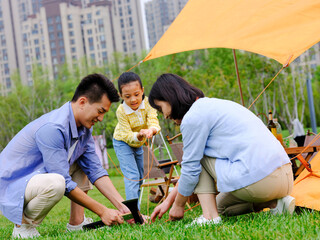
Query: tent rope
266	87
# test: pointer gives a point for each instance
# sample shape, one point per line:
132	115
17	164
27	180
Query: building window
72	41
61	43
50	28
61	51
8	83
6	69
60	35
69	17
100	21
70	25
52	44
73	50
50	20
120	11
58	19
121	23
53	52
89	31
71	34
130	21
125	47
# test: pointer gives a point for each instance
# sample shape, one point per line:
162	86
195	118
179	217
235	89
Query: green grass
250	226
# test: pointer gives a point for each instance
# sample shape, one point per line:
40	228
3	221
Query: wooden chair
155	171
305	158
177	150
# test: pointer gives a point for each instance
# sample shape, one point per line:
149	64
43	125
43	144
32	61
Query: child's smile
132	94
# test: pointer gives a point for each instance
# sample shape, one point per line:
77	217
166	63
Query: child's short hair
126	78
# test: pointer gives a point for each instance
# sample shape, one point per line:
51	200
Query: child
137	121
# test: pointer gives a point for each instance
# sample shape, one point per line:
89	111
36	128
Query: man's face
92	113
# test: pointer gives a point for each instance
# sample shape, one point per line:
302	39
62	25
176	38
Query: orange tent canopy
278	29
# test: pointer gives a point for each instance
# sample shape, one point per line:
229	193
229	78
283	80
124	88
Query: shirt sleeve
152	118
195	132
90	162
127	134
51	143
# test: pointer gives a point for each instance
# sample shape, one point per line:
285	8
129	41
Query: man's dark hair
126	78
177	92
93	87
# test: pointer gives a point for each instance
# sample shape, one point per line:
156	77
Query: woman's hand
160	210
176	212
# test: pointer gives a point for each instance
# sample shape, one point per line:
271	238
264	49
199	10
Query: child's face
132	94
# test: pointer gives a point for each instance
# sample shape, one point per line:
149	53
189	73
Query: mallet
132	204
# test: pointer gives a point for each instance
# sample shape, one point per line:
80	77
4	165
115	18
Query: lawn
304	225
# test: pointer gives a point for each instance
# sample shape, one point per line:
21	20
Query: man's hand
111	217
160	210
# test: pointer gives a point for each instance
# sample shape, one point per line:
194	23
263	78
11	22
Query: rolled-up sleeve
50	141
194	135
152	118
90	163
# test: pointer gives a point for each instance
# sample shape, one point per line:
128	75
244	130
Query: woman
227	149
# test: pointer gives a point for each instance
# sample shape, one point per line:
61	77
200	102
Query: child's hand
147	133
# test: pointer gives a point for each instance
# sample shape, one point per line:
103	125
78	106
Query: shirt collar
128	110
75	131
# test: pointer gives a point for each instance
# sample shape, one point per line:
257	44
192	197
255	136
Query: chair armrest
162	165
297	150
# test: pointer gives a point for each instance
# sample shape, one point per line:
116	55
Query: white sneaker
286	204
203	221
25	231
71	228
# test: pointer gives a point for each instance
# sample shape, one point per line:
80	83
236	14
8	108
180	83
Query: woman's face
165	108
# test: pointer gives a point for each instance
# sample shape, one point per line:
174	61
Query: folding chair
154	170
177	150
307	156
177	147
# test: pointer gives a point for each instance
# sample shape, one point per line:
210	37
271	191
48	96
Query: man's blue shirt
42	147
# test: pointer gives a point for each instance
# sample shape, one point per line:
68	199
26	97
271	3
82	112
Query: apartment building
159	15
54	32
307	62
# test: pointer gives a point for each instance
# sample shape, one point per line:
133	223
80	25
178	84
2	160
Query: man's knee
57	186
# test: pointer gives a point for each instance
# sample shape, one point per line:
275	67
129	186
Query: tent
278	29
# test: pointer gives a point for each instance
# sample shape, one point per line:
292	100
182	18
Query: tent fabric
306	186
279	29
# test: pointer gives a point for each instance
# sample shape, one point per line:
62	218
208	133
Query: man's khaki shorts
79	177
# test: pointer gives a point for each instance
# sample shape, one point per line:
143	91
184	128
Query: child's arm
124	129
152	123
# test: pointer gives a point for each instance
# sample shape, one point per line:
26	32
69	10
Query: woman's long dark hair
176	91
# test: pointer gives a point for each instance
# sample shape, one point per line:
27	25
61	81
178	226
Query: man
52	156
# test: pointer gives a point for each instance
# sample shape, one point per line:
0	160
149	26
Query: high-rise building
307	62
53	32
159	15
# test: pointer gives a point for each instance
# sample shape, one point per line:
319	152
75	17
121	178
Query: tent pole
311	105
238	77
